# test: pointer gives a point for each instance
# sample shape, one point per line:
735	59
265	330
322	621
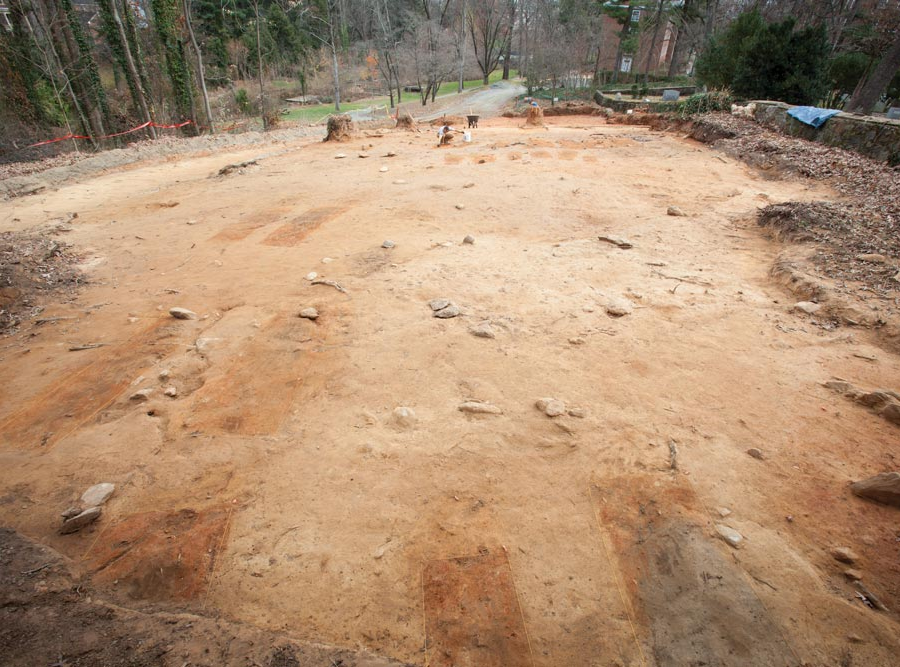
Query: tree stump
340	128
406	122
534	117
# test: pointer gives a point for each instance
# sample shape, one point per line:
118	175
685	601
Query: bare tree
489	26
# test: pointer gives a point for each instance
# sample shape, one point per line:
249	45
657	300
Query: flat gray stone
97	494
730	535
438	304
445	313
844	555
807	307
388	244
309	314
479	408
619	307
79	521
551	407
884	488
482	330
469	240
404	417
617	241
182	313
141	395
675	211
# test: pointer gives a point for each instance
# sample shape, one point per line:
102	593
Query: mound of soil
33	268
449	120
573	109
340	128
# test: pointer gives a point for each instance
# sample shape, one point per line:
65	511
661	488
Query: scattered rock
479	408
844	555
340	156
383	169
469	240
72	511
723	512
616	241
380	551
309	314
469	185
399	181
854	639
618	307
312	275
450	311
171	392
853	575
883	402
79	521
182	314
404	417
577	341
363	155
730	535
164	374
482	330
872	258
756	453
551	407
884	488
807	307
388	244
675	211
141	394
579	413
459	207
438	304
97	494
327	260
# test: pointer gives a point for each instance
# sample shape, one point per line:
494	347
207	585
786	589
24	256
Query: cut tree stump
340	128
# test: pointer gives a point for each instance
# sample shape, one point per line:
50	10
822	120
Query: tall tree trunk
119	46
866	96
263	106
626	30
200	72
651	56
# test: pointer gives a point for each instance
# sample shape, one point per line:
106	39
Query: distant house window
635	15
626	64
4	15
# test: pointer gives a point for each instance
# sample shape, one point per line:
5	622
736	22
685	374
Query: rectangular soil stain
472	614
252	395
74	399
299	228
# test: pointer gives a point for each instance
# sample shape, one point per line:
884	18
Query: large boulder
885	488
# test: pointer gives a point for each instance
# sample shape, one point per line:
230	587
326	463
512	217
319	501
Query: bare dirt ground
278	490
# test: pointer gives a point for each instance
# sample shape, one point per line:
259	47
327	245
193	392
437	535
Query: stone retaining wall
877	138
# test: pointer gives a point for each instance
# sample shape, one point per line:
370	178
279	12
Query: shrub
242	100
715	100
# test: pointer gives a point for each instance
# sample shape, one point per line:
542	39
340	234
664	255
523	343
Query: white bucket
467	136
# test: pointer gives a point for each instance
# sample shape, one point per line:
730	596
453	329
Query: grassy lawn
317	112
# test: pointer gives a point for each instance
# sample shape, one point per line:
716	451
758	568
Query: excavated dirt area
279	503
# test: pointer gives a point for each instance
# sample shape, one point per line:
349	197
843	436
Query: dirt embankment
843	253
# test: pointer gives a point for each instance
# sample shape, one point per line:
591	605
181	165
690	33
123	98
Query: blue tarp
812	115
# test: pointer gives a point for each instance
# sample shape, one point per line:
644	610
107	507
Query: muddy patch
472	614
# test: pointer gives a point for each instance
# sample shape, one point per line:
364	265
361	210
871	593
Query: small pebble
312	275
459	207
388	244
171	392
309	314
469	240
844	555
755	453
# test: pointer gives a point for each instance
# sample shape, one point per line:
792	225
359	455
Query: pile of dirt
534	117
50	617
449	120
858	237
573	109
340	128
33	268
